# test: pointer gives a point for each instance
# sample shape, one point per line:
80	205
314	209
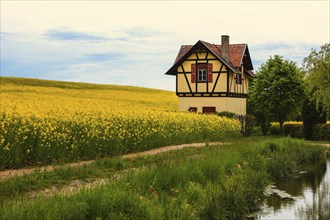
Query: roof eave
250	73
175	65
241	62
170	72
248	52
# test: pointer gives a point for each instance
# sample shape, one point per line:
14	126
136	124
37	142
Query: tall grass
224	182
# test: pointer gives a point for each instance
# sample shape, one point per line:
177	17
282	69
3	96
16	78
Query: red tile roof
236	52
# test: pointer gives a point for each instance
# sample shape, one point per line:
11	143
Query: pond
305	196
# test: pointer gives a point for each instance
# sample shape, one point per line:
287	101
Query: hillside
49	121
18	94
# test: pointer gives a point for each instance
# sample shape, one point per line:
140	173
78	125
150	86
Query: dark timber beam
216	81
185	76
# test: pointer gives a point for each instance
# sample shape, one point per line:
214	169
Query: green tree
277	92
311	115
317	68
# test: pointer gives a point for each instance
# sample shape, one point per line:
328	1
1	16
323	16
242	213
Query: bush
312	115
285	155
275	128
322	132
247	122
294	130
226	114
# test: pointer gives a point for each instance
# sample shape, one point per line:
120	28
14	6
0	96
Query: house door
208	110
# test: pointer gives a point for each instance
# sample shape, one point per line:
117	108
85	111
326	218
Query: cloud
5	35
140	62
70	35
294	51
130	34
141	32
104	56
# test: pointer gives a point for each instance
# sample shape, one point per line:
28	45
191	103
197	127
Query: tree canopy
317	68
277	92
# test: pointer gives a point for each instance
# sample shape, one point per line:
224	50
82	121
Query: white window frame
202	75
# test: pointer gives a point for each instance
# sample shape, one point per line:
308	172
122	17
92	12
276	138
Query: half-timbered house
211	77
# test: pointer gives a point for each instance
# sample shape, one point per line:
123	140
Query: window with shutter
201	72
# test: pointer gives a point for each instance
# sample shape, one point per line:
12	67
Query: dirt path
169	148
326	145
6	174
69	189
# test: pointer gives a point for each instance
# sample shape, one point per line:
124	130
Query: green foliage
311	115
322	132
317	68
263	120
226	114
274	129
294	130
247	121
233	199
286	155
276	93
220	182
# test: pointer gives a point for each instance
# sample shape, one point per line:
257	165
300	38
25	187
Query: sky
136	42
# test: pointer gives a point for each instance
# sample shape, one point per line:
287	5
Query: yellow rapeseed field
44	122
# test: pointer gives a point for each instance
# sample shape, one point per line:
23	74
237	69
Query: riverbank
213	182
304	196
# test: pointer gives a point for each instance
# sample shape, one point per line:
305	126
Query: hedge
295	129
322	132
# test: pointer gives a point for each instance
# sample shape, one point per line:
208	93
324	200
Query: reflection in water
310	192
320	207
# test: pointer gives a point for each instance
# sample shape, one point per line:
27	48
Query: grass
102	168
215	182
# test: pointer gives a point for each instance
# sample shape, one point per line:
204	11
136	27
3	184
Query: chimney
225	47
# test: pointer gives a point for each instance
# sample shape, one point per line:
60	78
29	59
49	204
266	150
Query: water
306	196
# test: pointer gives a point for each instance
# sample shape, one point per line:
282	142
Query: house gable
200	46
187	80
